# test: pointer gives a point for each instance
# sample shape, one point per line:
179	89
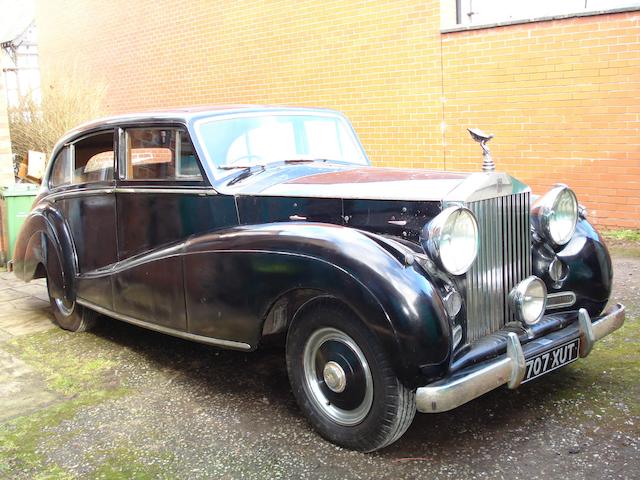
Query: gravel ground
136	404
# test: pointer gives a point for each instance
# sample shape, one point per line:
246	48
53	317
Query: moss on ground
623	243
606	384
73	366
124	463
626	235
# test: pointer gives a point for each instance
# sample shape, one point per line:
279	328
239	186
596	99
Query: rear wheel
343	380
68	314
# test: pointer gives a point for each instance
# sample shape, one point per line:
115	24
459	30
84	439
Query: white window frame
474	14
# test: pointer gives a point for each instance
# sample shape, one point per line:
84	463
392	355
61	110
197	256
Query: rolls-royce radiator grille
504	259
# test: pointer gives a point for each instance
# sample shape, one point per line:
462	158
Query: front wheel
68	314
343	381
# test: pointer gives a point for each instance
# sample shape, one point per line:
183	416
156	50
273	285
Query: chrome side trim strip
191	191
105	191
560	300
78	193
135	261
169	331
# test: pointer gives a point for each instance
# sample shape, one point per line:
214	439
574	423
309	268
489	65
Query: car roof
184	115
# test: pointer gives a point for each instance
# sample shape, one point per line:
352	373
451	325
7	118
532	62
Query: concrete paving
24	310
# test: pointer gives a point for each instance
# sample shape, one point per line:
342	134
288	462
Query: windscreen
264	138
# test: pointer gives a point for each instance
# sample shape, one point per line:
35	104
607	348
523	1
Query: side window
93	158
160	154
61	170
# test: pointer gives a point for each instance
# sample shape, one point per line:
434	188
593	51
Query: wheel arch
247	275
44	247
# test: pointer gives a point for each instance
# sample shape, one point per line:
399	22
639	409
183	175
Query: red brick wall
560	95
563	99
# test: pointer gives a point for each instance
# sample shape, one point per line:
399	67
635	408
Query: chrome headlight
555	214
528	300
451	239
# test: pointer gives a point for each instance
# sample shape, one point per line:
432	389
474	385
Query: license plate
552	359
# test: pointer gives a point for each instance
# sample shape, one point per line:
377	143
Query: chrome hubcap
65	309
338	379
334	377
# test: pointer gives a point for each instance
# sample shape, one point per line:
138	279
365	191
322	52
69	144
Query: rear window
94	158
62	169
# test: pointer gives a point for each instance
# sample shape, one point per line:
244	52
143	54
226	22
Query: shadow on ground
134	403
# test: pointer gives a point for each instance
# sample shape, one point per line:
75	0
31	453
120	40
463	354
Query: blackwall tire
68	314
343	381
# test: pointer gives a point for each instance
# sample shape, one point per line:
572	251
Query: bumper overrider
510	368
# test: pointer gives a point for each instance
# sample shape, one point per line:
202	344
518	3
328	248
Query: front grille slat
503	261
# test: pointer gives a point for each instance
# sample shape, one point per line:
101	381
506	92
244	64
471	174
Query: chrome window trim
218	342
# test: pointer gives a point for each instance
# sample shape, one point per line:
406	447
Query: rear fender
44	240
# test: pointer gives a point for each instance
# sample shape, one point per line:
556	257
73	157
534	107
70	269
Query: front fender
589	269
240	272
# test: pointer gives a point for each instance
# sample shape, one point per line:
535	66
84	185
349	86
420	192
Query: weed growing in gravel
626	235
81	375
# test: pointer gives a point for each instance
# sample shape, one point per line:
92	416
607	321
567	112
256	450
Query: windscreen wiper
246	172
307	160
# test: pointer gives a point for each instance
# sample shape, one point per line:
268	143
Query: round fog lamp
528	300
452	303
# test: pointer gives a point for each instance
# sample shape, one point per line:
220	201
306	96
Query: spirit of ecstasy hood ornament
482	138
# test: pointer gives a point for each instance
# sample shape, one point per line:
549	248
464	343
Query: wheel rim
337	376
64	308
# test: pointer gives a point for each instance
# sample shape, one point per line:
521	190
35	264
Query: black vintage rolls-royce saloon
394	290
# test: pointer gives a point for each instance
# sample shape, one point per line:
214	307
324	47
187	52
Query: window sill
465	28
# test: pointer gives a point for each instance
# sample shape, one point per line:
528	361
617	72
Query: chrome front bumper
510	368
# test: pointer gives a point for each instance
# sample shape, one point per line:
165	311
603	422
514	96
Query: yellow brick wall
559	95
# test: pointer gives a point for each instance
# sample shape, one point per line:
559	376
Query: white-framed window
485	12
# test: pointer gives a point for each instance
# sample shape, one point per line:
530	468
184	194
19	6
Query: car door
86	176
162	198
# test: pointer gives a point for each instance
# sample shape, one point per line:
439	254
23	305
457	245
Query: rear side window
61	170
160	154
94	158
